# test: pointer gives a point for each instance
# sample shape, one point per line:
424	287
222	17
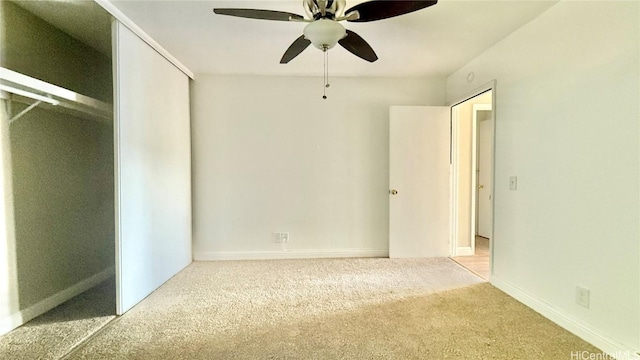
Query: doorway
483	123
472	144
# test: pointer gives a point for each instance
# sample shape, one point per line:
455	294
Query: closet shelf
26	89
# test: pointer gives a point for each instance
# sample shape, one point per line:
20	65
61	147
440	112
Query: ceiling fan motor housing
324	34
324	9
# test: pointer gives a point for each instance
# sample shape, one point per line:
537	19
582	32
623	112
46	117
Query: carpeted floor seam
469	270
84	341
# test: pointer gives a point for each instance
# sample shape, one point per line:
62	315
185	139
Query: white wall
567	124
269	154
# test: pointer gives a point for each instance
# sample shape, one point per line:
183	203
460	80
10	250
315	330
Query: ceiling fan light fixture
324	34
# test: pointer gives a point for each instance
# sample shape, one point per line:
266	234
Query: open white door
419	181
153	169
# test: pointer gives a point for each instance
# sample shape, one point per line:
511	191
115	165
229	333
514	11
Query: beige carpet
330	309
54	334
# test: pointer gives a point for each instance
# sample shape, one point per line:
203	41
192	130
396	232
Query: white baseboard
578	328
291	254
23	316
464	251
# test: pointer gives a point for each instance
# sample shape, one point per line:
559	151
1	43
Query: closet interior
56	111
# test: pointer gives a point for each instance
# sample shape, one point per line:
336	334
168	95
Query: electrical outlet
582	296
280	237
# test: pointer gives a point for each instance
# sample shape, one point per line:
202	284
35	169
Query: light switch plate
582	296
513	183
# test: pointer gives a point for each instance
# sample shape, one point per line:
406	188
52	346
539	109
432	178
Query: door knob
393	192
480	186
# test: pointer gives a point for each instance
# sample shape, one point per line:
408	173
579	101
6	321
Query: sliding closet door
153	169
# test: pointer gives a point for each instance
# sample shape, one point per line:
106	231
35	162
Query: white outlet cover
280	237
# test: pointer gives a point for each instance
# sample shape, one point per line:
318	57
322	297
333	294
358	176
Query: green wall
33	47
61	166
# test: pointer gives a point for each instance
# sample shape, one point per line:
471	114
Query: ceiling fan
324	30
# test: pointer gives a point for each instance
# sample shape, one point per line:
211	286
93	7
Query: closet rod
29	94
26	86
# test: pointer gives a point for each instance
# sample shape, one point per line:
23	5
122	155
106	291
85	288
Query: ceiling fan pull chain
326	72
327	82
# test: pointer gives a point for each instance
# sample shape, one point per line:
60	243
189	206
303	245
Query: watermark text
589	355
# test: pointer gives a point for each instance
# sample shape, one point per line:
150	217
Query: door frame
490	86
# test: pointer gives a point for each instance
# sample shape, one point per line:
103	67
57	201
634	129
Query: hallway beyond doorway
478	263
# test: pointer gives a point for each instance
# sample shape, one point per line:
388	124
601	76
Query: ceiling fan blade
383	9
358	47
260	14
295	49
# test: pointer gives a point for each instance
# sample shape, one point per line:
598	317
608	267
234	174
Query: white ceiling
431	42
